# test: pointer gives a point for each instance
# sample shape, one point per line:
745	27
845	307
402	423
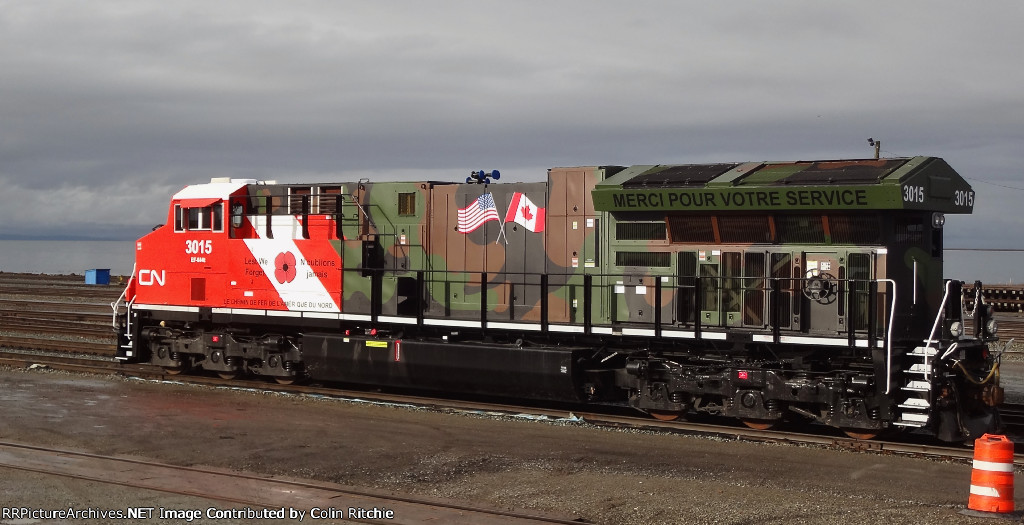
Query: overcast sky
109	107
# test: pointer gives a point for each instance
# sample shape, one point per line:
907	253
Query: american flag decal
478	212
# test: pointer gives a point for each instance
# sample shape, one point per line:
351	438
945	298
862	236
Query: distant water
994	267
65	257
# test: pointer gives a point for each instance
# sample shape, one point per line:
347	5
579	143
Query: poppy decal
285	267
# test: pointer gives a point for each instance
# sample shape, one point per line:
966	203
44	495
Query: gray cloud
121	103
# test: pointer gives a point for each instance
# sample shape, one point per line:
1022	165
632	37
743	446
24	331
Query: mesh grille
651	259
640	231
908	231
744	229
806	229
691	229
854	229
407	204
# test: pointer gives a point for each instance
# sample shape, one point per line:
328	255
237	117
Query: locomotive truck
760	291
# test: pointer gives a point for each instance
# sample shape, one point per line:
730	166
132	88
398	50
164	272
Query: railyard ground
599	475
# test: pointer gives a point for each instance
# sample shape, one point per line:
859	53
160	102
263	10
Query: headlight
992	327
938	220
955	329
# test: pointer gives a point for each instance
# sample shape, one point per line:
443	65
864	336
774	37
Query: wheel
285	380
760	424
227	375
662	415
863	435
173	370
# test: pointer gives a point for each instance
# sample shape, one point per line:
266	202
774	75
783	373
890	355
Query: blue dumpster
97	276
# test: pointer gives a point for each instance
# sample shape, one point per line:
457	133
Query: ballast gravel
570	469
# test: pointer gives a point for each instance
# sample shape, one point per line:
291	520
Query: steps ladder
915	410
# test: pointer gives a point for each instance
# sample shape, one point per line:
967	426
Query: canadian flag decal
523	211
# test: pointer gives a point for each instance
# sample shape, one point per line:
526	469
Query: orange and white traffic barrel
992	477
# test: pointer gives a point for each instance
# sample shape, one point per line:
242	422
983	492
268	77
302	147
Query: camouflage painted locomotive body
757	290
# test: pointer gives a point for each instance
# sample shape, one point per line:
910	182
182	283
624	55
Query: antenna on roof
877	144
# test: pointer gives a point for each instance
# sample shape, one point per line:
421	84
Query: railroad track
93	364
85	329
42	321
33	343
608	417
1012	415
260	494
92	312
56	313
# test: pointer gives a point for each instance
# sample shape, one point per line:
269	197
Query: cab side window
196	219
237	214
178	223
217	217
209	218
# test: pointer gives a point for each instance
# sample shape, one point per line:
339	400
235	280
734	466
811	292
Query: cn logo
151	277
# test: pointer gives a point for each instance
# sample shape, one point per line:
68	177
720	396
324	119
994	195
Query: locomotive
761	291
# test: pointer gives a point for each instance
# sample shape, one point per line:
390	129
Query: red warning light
348	332
742	374
373	331
215	339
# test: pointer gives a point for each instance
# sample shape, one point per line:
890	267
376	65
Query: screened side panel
800	229
859	272
687	295
695	229
744	229
753	289
782	269
854	229
732	271
640	231
649	259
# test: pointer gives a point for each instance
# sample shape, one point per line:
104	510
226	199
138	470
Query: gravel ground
30	490
604	476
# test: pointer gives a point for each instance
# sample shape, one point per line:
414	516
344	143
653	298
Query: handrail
935	326
306	210
359	206
592	288
888	337
938	316
117	304
128	319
